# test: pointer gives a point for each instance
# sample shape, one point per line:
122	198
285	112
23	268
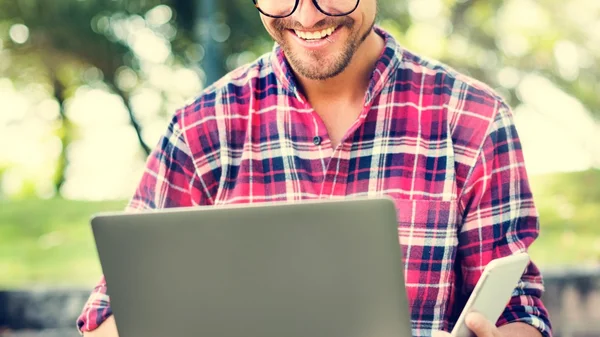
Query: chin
313	69
318	74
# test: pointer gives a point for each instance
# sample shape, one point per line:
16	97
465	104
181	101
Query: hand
478	324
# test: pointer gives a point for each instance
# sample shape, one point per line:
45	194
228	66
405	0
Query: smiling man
337	109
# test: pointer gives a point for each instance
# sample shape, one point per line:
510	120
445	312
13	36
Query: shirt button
317	140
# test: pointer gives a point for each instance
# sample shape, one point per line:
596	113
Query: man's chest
287	155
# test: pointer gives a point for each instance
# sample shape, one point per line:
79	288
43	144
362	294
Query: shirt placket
335	180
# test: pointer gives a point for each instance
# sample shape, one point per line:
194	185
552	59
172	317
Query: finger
440	334
479	325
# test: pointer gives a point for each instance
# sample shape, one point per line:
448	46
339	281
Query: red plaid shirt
443	145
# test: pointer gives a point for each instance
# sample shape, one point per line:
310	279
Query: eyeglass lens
282	8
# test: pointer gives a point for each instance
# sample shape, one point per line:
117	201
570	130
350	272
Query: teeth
315	35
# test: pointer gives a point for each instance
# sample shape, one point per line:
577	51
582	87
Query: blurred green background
87	86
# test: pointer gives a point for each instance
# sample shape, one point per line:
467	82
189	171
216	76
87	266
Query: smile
316	35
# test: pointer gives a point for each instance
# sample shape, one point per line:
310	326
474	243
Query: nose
307	14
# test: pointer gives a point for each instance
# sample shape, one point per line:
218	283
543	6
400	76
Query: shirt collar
388	62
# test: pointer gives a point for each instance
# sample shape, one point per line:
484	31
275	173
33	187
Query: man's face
318	46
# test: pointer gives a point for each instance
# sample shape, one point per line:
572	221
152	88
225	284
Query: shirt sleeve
500	219
166	182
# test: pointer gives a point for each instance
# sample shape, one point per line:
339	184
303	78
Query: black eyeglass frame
315	2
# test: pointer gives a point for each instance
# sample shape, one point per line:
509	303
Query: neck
351	84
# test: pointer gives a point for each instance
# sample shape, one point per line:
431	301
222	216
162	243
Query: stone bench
573	300
42	313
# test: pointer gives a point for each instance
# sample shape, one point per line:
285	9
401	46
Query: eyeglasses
284	8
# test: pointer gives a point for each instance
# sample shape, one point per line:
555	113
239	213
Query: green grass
49	242
569	207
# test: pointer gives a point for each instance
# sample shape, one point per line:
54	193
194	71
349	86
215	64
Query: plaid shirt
443	145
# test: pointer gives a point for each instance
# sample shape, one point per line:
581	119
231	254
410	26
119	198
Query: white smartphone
493	290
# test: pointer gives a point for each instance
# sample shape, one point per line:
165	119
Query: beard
316	65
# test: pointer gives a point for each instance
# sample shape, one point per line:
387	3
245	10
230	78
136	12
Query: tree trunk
132	119
65	133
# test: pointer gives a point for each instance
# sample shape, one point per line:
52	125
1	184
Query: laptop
304	269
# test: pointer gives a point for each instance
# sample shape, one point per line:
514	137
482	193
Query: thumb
479	325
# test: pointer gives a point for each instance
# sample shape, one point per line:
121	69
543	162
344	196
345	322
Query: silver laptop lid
309	269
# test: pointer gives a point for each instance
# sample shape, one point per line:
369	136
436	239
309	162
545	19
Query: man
340	109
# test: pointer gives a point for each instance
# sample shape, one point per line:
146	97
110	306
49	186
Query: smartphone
493	291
